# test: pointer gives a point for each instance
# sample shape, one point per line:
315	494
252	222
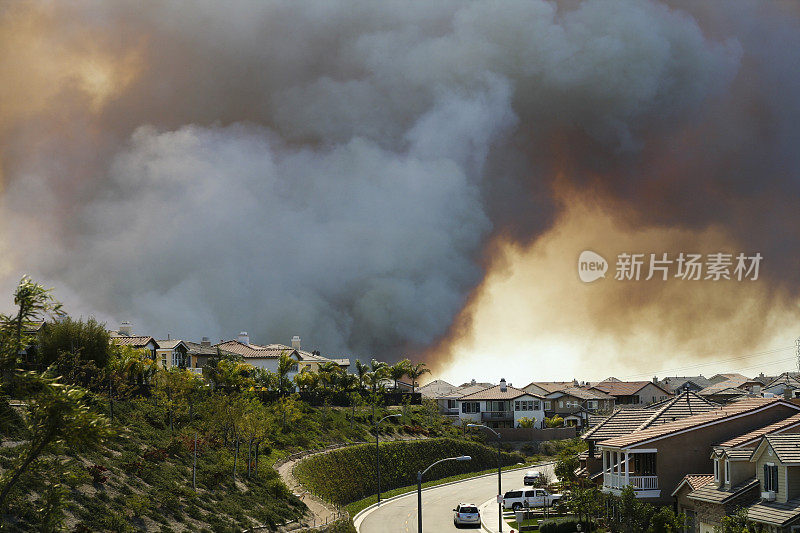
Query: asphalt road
400	515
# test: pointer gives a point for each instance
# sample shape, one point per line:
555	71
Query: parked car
531	478
517	499
467	514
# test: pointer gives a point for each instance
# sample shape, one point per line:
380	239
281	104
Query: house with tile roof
268	356
785	385
447	398
655	459
501	406
543	388
763	479
576	404
633	393
140	342
172	353
624	421
678	384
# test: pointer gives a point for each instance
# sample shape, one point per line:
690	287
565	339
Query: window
293	368
452	404
536	405
470	407
164	360
644	464
592	404
547	405
176	358
727	471
771	477
523	405
716	470
561	403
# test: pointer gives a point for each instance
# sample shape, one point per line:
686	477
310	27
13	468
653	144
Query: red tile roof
137	341
494	393
727	411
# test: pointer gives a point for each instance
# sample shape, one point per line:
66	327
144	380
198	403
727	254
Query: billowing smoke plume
339	170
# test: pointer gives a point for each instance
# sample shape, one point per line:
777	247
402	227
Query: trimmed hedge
348	474
564	525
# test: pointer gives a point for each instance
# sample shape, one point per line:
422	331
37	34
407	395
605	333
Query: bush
348	474
564	525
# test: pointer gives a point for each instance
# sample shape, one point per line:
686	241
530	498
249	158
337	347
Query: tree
633	515
585	503
285	364
416	371
735	523
89	341
527	422
666	521
554	422
361	372
58	415
34	303
398	370
565	467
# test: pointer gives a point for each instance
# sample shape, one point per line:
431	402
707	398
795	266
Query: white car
467	514
517	499
532	477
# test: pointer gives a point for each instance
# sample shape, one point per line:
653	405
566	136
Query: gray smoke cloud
328	169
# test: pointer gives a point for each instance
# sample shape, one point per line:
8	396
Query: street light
499	472
419	485
378	453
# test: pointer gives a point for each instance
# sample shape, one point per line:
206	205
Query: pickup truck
517	499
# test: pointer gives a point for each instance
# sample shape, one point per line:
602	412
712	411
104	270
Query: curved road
400	515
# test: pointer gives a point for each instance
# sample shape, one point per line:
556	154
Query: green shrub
348	474
563	525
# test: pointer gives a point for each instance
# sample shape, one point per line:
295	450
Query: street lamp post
378	453
499	472
419	485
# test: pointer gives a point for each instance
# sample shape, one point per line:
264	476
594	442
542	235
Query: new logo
591	266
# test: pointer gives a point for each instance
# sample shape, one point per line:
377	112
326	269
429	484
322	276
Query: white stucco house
500	406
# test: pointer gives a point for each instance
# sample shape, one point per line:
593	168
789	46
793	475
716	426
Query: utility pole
797	351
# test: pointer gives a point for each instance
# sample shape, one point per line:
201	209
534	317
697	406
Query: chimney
655	380
244	338
787	393
503	386
473	382
296	342
205	342
125	328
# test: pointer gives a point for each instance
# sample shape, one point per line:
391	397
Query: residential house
761	477
726	390
140	342
731	376
447	395
624	421
268	356
543	388
198	354
655	459
500	406
678	384
171	353
633	393
576	404
786	385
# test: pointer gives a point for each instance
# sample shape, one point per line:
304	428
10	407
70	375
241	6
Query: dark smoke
336	170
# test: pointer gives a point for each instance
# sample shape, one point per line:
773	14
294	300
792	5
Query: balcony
619	482
497	416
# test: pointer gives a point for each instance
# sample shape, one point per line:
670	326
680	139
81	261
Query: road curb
363	513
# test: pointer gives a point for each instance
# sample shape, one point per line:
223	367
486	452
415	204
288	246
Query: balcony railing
497	415
615	481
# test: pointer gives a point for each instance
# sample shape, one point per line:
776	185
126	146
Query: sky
394	179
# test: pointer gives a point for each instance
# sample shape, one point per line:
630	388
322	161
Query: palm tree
361	370
398	370
284	367
415	371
